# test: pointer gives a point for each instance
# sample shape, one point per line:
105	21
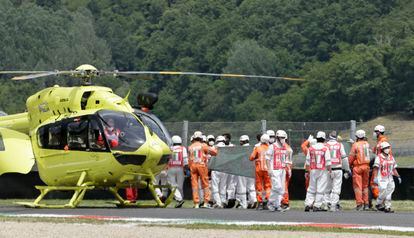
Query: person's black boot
380	207
179	204
231	203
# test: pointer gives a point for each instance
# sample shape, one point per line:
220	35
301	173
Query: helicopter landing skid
158	203
78	194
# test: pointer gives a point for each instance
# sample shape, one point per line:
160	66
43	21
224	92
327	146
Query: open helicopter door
16	153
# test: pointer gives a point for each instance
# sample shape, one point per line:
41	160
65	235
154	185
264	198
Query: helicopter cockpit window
77	134
122	130
154	127
43	137
51	136
96	140
55	136
2	143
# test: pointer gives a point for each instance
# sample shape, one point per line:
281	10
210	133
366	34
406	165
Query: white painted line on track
173	221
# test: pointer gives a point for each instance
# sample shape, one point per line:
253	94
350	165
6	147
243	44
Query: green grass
398	127
405	162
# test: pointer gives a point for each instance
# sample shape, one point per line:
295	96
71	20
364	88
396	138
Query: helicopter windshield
122	130
155	125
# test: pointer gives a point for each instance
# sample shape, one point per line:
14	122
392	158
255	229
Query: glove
346	175
310	138
376	180
399	179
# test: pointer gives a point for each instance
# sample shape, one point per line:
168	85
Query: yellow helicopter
86	137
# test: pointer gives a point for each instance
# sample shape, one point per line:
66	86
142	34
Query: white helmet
244	138
385	145
176	140
360	134
204	138
211	137
264	138
321	135
220	139
281	134
379	128
198	135
270	133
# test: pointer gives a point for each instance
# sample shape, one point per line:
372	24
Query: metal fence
403	143
297	131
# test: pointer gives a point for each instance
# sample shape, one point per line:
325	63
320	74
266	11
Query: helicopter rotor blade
22	72
32	76
38	74
125	73
91	71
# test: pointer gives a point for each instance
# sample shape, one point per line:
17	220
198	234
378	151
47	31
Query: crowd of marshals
371	169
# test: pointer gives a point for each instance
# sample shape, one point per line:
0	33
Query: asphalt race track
400	219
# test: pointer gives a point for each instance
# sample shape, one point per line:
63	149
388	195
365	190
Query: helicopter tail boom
16	153
18	122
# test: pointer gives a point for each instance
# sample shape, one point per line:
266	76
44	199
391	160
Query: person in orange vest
359	159
263	182
175	173
251	184
305	147
279	161
318	163
198	152
378	135
384	170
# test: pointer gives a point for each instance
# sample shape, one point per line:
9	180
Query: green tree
352	85
36	38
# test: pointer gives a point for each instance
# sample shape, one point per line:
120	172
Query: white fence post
353	130
263	126
185	133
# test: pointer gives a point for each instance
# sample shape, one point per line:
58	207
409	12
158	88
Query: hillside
356	55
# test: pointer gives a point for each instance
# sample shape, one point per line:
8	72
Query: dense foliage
356	55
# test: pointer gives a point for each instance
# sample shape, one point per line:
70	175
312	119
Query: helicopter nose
156	151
